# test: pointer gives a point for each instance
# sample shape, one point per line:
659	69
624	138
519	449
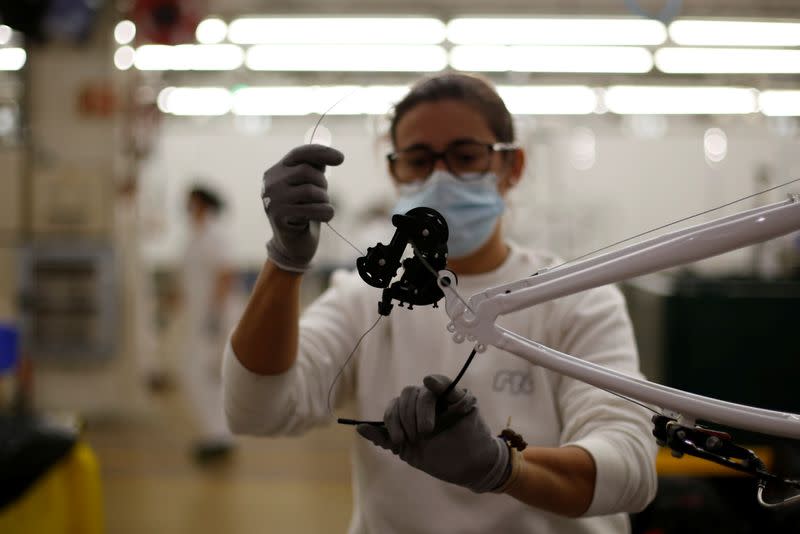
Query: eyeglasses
467	160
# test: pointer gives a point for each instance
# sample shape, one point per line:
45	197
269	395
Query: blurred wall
591	180
74	167
10	161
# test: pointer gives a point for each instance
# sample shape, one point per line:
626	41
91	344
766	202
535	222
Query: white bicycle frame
474	319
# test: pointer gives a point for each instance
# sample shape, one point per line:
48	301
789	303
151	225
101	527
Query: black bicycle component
426	231
440	404
715	446
705	443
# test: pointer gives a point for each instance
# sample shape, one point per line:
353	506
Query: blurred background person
208	280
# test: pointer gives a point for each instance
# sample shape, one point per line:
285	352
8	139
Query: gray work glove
295	197
454	445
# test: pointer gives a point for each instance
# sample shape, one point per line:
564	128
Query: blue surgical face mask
471	208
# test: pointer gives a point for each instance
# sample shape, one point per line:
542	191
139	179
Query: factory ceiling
447	8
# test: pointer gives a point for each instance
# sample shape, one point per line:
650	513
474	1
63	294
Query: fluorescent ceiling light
287	100
124	57
211	31
195	101
545	31
333	100
551	59
370	100
780	103
275	30
481	58
386	58
189	57
549	100
715	145
378	100
5	34
633	100
734	33
728	61
124	32
12	58
154	57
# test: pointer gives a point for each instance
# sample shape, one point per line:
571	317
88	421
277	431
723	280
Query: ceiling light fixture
661	100
549	100
333	100
12	58
727	61
780	103
124	57
5	34
195	101
125	32
616	59
556	31
189	57
211	31
734	33
353	58
333	30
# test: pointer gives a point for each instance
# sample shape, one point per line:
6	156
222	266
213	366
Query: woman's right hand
442	433
295	198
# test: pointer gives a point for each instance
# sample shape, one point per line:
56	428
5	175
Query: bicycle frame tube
475	319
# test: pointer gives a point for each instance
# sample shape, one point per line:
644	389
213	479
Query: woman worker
208	291
590	457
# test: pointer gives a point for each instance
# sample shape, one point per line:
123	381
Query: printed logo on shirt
515	382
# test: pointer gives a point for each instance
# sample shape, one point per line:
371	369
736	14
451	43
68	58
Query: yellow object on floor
66	500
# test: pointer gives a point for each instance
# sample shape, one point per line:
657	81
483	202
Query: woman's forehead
438	123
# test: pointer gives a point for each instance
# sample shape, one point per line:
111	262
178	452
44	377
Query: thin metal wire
444	394
341	369
311	140
436	274
634	401
344	238
325	113
573	260
780	504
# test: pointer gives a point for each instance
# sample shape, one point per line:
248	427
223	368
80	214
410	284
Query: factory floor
150	483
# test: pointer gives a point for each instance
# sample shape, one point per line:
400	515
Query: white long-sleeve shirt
548	409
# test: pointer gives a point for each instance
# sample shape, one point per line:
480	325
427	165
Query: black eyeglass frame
436	156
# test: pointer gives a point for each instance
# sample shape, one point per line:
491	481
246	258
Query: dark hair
209	198
474	90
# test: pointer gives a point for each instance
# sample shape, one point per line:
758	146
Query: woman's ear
390	173
514	165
